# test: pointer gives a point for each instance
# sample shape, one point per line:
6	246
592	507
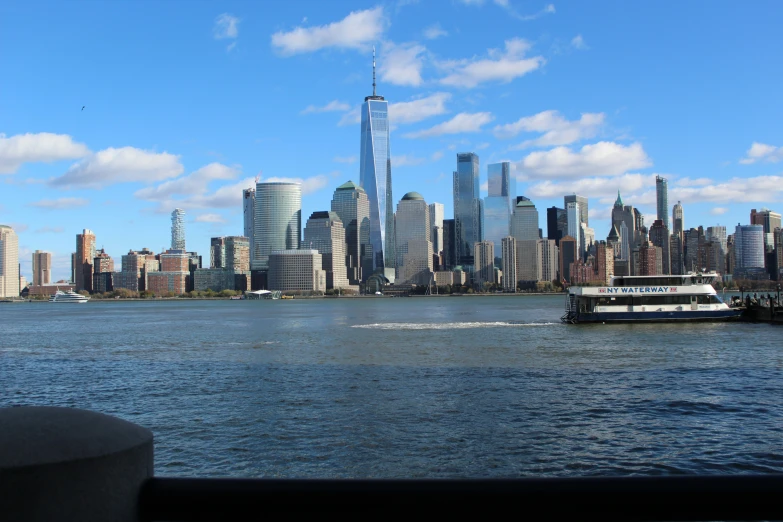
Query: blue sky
187	102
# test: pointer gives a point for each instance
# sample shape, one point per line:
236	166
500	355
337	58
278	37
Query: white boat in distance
660	298
68	297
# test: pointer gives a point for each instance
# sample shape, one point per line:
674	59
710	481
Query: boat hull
659	317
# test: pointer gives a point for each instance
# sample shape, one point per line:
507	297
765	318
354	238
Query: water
440	387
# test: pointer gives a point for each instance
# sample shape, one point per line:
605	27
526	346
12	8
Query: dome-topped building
413	196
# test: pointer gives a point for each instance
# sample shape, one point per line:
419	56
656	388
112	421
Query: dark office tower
662	199
582	201
449	247
659	236
678	220
467	208
556	223
568	255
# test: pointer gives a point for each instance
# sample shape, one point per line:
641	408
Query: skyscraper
766	218
85	253
436	227
583	210
567	256
659	236
449	247
178	229
662	199
484	264
556	223
499	203
278	221
249	213
42	268
524	221
352	206
749	246
375	178
467	208
414	248
325	232
678	220
9	262
574	213
509	263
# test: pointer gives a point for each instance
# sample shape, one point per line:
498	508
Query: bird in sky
83	106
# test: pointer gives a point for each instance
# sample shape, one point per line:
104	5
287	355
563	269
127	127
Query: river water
409	387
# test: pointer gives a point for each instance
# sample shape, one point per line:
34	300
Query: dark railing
665	498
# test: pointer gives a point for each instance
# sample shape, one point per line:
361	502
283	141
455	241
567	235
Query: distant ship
660	298
68	297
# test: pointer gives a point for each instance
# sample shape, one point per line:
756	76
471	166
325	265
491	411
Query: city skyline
121	166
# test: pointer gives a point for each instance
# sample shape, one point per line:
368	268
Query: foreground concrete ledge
71	464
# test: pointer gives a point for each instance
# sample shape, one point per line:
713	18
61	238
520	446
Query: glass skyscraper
375	179
278	221
499	203
352	206
467	208
662	198
583	207
178	229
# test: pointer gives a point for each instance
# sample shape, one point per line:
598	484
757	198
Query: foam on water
444	326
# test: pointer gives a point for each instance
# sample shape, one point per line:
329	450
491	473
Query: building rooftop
413	196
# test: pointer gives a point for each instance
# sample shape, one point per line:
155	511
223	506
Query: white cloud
345	159
61	203
761	189
420	109
43	147
352	117
688	182
762	152
196	182
227	196
555	128
333	105
600	159
718	211
482	146
49	230
592	187
437	155
210	218
356	31
401	64
405	112
434	31
226	26
123	165
462	122
309	185
499	66
406	160
578	42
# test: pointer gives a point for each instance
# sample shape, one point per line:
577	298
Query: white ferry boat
661	298
68	297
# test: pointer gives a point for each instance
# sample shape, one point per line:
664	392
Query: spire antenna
373	70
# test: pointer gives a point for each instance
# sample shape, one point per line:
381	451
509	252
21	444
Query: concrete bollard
69	464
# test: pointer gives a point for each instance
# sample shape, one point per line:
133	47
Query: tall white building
573	214
249	213
352	206
9	262
749	246
436	227
278	220
178	229
414	248
509	263
325	232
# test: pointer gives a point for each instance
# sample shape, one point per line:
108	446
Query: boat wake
446	326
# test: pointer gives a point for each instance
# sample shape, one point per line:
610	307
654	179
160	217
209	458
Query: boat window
658	300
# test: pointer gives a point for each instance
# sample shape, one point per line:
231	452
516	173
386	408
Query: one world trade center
375	178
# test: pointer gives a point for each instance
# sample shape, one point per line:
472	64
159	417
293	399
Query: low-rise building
296	270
